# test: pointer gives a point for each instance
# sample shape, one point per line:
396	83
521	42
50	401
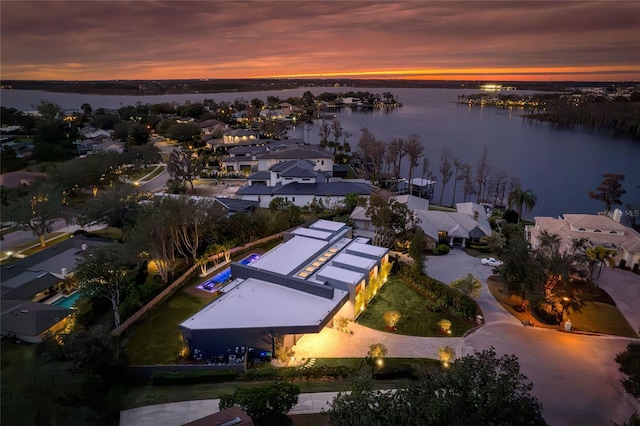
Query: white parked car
490	261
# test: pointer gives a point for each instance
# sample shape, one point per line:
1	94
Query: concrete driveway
624	289
574	376
457	264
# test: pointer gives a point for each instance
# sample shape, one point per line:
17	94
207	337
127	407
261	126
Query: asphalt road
575	376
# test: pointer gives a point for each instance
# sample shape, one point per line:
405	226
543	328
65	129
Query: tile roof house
30	286
468	223
299	175
298	287
599	230
239	135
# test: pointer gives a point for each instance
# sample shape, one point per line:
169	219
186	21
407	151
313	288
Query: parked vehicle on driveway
491	261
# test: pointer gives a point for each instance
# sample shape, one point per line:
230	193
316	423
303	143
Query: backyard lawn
415	320
156	339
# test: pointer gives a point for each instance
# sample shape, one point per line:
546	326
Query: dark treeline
617	114
162	87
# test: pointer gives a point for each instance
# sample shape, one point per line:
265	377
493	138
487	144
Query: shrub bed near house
441	249
440	295
319	372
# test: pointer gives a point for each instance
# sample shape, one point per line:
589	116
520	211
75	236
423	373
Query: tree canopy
477	389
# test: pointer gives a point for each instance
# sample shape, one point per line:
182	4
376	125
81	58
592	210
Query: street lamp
565	301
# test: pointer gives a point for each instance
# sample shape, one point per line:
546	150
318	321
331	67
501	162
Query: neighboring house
20	149
323	160
92	146
242	158
317	274
274	114
229	206
299	175
289	108
468	223
92	132
239	135
598	230
31	286
212	129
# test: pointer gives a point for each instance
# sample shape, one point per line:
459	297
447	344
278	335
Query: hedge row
440	295
316	372
163	378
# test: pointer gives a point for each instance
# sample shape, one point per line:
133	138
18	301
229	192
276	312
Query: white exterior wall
300	200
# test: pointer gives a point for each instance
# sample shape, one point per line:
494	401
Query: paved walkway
179	413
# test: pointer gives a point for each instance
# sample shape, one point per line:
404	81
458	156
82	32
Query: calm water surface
561	166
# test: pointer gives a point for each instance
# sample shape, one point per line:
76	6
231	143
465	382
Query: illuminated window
322	259
303	274
316	263
333	250
309	269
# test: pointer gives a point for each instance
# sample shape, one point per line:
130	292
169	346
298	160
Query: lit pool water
68	301
215	283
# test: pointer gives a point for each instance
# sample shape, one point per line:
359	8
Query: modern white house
599	230
317	274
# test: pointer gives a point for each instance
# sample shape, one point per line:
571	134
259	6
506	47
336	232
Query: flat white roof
366	249
356	261
289	256
328	225
313	233
340	274
254	303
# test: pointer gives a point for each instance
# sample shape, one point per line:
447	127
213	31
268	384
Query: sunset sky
458	40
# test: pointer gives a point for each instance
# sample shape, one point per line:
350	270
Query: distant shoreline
176	87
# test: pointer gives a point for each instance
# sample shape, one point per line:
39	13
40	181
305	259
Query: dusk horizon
407	40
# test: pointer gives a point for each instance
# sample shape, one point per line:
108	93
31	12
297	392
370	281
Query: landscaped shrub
163	378
440	294
292	373
266	404
441	249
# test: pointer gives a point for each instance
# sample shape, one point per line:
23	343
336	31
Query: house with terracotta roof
598	230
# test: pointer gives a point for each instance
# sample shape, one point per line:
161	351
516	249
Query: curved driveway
575	376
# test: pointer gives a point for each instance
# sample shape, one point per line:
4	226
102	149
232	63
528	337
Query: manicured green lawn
601	318
156	339
415	320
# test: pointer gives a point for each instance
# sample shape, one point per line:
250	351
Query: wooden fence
178	283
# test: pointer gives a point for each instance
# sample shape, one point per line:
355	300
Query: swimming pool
216	282
68	301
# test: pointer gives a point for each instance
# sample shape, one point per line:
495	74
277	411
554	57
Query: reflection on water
560	166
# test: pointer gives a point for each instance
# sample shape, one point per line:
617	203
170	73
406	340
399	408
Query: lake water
560	166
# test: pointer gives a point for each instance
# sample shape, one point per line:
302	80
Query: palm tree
599	255
469	286
519	198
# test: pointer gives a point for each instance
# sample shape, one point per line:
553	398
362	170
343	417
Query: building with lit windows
299	287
